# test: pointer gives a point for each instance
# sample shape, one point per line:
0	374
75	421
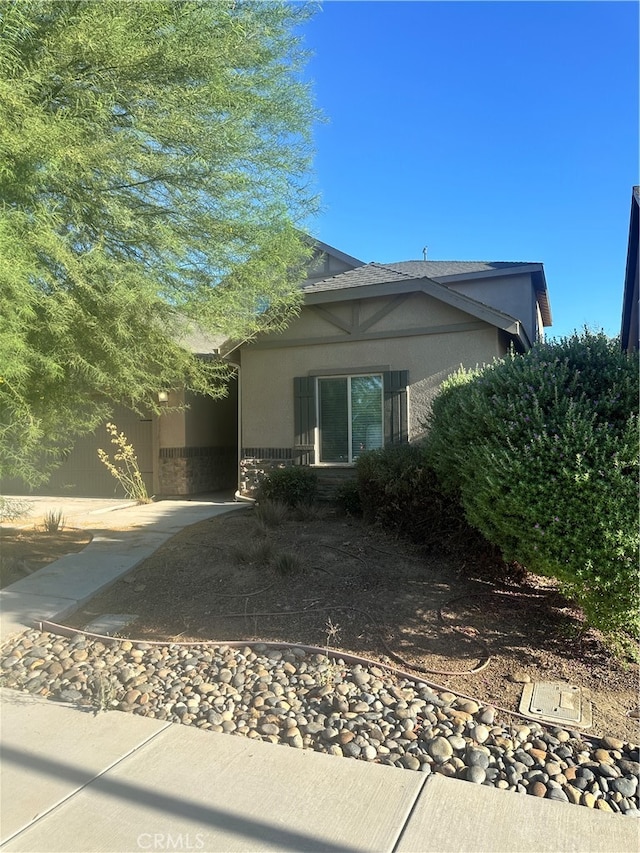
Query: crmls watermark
167	841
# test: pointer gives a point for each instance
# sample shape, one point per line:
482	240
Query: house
356	370
629	336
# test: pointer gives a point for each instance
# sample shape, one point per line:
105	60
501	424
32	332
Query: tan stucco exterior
513	294
418	333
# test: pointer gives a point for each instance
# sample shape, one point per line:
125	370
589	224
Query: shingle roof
440	272
442	269
359	277
375	273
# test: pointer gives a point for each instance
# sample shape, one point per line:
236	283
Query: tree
153	171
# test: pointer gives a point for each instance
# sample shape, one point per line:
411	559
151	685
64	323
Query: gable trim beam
418	331
423	285
333	319
396	302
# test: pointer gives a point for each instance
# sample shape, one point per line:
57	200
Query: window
350	417
334	416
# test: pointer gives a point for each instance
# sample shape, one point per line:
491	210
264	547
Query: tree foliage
542	450
153	172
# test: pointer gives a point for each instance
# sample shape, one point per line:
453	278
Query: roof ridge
440	261
389	268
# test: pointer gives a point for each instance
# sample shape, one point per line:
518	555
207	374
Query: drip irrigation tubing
66	631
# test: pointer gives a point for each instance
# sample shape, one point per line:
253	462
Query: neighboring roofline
430	287
631	273
331	250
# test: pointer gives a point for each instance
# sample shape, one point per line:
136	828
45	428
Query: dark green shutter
395	406
304	400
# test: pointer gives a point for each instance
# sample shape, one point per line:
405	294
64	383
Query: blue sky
486	131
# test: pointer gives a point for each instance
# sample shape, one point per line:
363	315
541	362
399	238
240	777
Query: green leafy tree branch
154	173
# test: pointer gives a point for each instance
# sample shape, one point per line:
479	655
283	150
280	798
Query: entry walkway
75	781
124	534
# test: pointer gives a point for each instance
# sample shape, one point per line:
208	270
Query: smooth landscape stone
477	758
305	701
440	749
557	794
475	774
627	786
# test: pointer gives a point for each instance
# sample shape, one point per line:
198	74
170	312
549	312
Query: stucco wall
172	425
268	370
514	295
210	422
197	447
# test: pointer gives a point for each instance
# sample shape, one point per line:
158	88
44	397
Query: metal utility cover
556	702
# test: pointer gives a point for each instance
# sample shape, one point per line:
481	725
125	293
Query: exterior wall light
163	396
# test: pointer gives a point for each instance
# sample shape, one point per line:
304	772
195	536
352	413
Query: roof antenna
424	253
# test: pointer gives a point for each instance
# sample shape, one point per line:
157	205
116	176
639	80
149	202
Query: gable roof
442	272
379	280
325	248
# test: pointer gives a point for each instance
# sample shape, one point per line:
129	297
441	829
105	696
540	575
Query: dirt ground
23	551
334	581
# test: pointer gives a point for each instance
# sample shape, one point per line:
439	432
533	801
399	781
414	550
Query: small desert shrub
124	466
287	563
271	513
259	553
9	566
53	521
347	498
542	450
293	485
306	512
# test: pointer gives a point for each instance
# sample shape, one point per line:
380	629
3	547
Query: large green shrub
293	485
399	490
542	450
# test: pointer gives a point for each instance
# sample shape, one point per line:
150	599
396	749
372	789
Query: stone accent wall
194	470
257	462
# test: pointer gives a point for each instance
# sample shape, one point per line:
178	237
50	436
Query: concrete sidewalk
75	781
124	534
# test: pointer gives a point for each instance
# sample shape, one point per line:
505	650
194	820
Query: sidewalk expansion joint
40	815
410	813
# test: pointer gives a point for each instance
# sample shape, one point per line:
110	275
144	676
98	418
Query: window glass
366	414
334	420
350	417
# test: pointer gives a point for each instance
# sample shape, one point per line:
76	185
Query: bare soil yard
350	586
23	551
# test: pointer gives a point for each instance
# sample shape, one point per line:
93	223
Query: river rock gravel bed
309	701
